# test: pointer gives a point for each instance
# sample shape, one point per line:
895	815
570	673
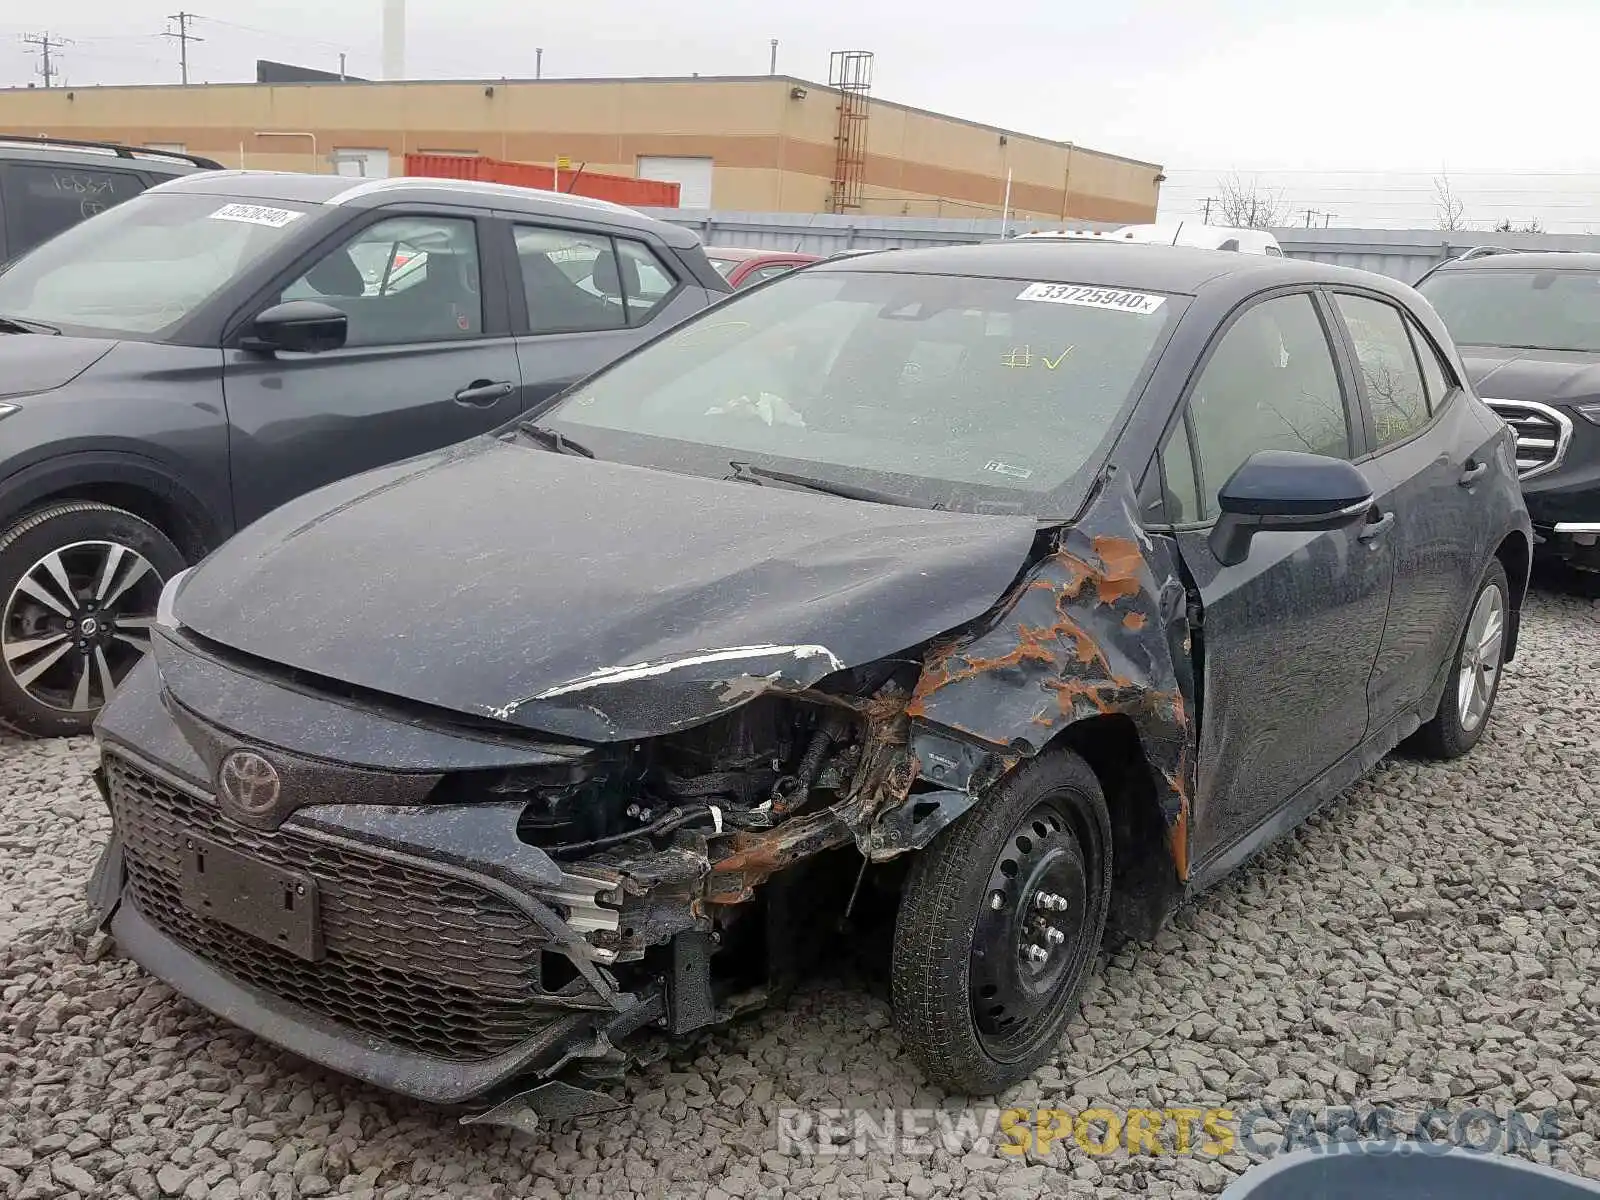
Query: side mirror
302	326
1282	490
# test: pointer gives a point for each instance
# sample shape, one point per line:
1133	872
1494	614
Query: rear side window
1435	377
570	281
646	283
1395	393
41	201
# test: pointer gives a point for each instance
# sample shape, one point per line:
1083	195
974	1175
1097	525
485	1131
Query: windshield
144	266
1528	309
995	395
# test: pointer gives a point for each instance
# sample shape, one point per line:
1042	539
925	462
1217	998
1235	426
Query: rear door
429	360
1288	637
1432	450
582	298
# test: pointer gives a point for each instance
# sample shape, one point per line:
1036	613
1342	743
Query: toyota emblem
248	783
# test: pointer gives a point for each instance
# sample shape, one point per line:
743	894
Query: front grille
1542	434
420	959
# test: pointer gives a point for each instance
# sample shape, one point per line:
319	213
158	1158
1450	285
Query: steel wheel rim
1038	883
1481	652
77	621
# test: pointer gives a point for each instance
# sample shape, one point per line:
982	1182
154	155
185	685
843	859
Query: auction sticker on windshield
1092	297
256	214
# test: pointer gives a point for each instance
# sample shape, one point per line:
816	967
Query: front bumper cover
438	919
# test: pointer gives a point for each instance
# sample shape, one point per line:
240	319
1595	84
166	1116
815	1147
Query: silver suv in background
197	356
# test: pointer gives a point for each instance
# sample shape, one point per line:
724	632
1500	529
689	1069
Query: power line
46	44
183	37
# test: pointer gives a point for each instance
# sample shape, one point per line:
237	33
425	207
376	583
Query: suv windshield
1524	309
968	393
145	265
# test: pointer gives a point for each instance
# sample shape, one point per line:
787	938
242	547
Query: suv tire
78	587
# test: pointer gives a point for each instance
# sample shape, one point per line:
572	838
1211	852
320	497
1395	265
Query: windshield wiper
19	325
554	439
759	475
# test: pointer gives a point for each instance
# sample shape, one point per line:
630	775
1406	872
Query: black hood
589	599
1544	376
42	362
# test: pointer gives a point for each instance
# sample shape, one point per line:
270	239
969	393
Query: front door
1287	637
427	363
1432	449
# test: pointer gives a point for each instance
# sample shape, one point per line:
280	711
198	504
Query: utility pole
46	44
1327	217
184	37
1208	202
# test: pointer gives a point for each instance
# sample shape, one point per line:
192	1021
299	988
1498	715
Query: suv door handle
1472	472
1373	530
484	393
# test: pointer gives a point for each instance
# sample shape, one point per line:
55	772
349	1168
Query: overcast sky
1347	107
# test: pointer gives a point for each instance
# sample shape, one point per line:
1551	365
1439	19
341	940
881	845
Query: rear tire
1000	923
1474	683
78	587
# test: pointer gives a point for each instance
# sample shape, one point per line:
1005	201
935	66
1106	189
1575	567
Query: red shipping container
619	189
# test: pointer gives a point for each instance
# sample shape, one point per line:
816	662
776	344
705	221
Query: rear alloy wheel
1470	693
999	925
79	584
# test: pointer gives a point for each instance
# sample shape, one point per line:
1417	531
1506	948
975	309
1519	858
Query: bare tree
1249	205
1509	226
1450	210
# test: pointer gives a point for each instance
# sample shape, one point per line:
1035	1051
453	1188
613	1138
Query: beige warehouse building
764	143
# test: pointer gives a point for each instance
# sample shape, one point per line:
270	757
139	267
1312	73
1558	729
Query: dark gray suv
187	361
50	184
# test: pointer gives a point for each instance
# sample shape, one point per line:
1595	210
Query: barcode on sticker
256	214
1092	297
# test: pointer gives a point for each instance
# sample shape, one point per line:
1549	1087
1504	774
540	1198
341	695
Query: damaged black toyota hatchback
1037	584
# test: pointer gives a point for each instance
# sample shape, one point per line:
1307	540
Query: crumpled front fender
1096	627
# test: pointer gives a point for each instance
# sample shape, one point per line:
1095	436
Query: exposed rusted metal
753	858
1080	636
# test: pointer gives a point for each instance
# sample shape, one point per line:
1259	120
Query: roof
1545	260
785	80
341	190
1174	269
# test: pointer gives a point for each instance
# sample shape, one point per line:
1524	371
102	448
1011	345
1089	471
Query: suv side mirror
303	326
1284	489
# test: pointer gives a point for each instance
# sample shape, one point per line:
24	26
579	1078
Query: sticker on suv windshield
256	214
1092	297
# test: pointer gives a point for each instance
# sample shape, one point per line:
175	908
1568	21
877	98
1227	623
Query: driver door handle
1373	530
484	393
1472	472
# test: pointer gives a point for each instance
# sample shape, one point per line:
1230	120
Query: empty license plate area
267	902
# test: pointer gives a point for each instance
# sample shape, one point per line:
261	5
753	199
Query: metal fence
1401	253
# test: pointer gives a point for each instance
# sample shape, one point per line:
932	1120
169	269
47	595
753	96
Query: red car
742	268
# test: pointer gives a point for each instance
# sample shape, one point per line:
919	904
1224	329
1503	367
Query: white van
1178	233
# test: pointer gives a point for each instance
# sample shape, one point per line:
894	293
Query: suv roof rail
118	150
1483	252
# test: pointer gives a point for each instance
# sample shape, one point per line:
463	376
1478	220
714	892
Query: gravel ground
1429	940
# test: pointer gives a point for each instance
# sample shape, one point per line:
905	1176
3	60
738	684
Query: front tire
999	926
78	588
1469	696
